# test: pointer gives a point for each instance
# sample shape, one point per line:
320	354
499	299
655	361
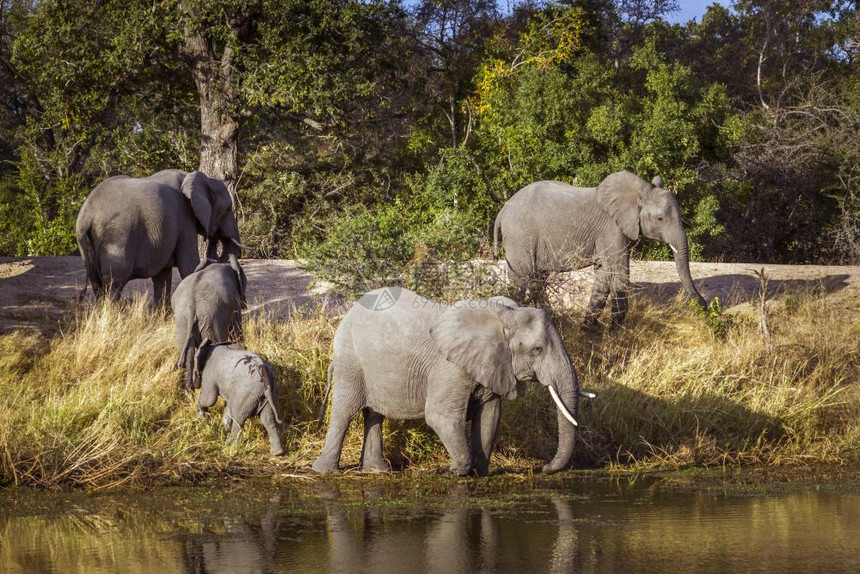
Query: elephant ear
475	340
210	200
618	195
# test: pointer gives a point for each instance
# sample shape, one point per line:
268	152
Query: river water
444	526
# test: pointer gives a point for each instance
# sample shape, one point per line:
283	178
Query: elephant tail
497	228
186	357
91	264
267	392
321	416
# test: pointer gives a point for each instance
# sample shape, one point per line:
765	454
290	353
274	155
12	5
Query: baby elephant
245	381
208	304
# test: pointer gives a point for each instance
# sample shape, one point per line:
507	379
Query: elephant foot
277	451
375	466
456	471
482	469
552	468
322	466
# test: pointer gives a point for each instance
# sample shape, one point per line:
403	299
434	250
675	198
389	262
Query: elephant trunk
564	387
681	251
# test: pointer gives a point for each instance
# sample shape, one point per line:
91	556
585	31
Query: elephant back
552	224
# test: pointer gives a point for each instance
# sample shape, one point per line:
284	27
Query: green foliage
316	58
715	317
361	110
440	217
97	102
363	248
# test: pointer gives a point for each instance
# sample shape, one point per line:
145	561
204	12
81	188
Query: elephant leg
452	433
599	291
227	419
619	306
346	401
161	283
186	361
485	424
189	371
207	398
520	272
235	429
537	292
113	289
619	282
371	451
446	415
519	284
267	417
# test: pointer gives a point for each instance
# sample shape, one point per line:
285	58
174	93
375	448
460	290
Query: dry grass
100	405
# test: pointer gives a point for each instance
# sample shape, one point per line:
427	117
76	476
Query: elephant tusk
561	407
587	394
672	247
236	241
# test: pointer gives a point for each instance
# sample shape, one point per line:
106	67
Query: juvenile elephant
245	381
208	305
399	355
551	226
136	228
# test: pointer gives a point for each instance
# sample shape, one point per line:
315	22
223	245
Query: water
446	526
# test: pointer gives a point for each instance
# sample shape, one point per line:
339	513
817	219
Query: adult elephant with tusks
551	226
137	228
401	356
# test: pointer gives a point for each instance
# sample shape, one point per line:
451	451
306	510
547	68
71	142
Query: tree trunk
218	90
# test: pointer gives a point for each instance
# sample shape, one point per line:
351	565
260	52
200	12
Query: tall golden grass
100	405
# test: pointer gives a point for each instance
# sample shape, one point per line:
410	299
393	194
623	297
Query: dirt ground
37	292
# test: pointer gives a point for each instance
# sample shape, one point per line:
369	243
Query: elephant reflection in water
380	540
564	550
245	546
446	546
461	540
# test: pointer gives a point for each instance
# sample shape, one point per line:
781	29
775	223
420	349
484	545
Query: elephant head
213	208
637	207
502	344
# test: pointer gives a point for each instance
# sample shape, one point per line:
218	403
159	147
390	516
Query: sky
690	9
687	9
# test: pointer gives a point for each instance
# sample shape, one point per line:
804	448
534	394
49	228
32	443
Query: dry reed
100	405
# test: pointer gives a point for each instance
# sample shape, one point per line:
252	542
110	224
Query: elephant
136	228
246	382
398	355
208	305
551	226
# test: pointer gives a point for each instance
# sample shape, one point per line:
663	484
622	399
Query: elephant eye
537	351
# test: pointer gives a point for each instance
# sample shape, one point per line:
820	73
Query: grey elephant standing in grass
550	226
399	355
247	384
208	305
137	228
